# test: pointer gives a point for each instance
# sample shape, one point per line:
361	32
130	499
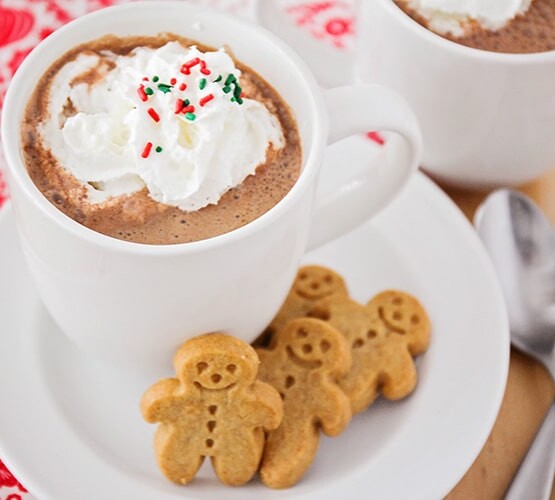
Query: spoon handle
534	478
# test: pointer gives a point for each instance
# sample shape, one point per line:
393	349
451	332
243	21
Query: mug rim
463	50
15	164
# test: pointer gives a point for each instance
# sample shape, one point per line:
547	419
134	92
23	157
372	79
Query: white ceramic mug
487	118
133	304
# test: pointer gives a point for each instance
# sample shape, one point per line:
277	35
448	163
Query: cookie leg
288	453
175	458
241	459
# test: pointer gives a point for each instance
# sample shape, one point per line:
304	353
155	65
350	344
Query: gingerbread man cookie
384	336
214	408
311	284
307	359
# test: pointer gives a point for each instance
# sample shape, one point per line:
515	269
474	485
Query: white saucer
70	427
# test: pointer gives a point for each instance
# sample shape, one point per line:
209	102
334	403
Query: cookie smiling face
402	314
309	345
315	282
303	348
215	372
216	362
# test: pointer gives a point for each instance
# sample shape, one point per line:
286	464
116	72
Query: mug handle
353	110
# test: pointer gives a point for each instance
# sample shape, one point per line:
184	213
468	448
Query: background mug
487	118
133	304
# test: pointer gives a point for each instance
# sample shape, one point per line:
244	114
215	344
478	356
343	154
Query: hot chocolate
524	26
159	140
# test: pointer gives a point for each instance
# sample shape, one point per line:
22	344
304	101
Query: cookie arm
267	407
334	413
159	400
398	375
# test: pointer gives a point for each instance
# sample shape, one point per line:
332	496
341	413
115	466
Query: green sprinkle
227	89
190	116
186	102
158	149
237	91
230	79
218	79
239	100
155	79
149	91
202	83
164	87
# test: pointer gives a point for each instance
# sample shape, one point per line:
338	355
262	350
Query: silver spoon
521	244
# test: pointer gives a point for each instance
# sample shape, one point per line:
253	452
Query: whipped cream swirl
172	119
453	16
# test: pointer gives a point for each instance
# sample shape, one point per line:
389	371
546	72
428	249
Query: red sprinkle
188	109
203	69
153	114
183	86
186	67
142	94
178	106
146	150
173	81
206	99
145	78
376	137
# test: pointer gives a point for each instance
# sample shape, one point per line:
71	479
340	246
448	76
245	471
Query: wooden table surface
529	394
